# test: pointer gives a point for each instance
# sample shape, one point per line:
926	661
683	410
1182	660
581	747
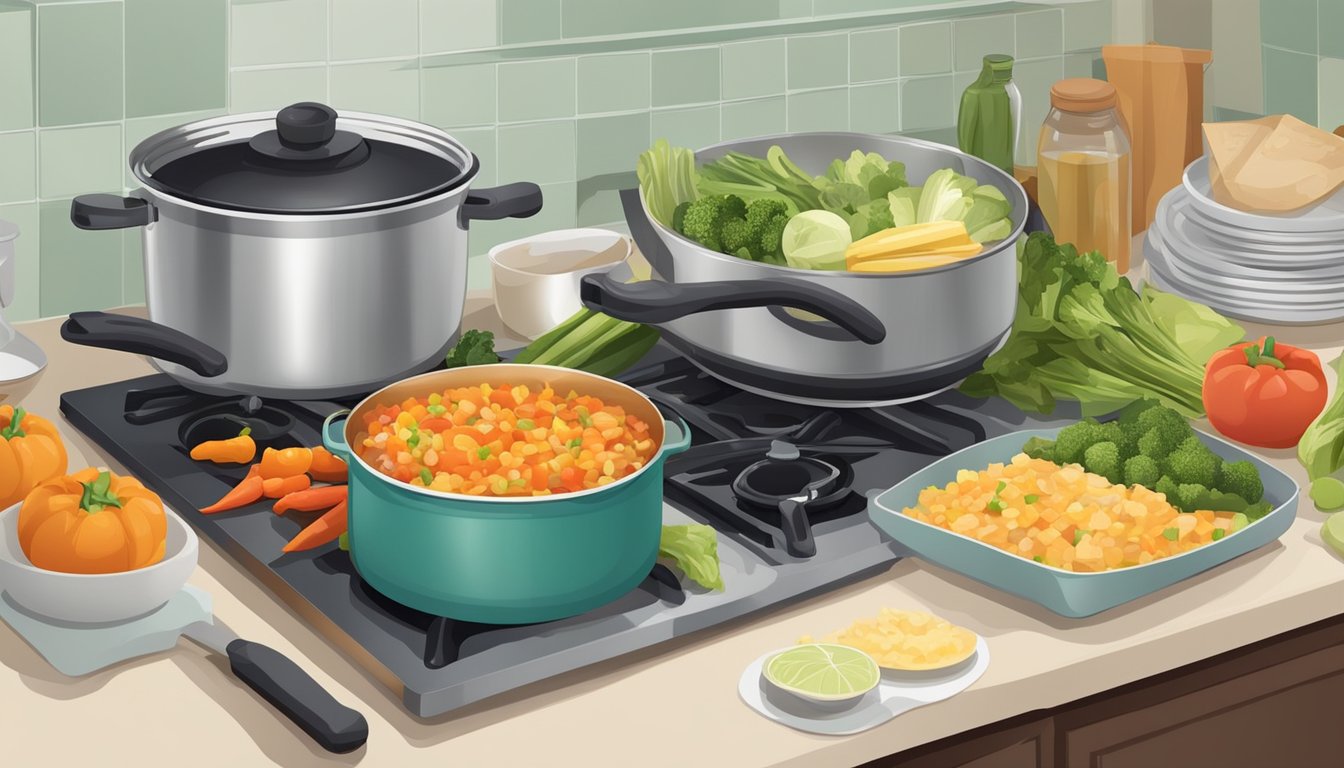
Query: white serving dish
1326	217
1282	272
1261	250
95	598
535	280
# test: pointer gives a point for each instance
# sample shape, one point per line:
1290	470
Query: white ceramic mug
535	280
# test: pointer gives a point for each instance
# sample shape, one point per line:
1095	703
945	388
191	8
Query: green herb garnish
483	452
1218	533
1171	534
426	476
1031	498
1078	536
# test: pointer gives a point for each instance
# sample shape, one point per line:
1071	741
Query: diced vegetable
1081	332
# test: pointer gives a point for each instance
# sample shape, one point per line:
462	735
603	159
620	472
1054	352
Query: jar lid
305	159
1082	94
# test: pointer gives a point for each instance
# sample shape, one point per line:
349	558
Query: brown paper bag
1274	164
1161	96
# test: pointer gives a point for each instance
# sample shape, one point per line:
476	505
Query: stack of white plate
1285	268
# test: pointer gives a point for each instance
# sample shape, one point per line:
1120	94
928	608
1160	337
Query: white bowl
95	598
535	280
1325	219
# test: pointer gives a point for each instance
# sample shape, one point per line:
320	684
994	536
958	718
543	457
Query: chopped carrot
235	450
285	463
311	499
242	494
278	487
323	530
326	467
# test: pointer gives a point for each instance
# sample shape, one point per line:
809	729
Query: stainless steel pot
880	338
297	255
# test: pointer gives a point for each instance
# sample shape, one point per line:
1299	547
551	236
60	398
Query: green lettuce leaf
695	550
1321	449
1198	330
668	178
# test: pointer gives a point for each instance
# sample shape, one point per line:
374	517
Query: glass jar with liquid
1083	167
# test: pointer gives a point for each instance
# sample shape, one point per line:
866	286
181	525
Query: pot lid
305	159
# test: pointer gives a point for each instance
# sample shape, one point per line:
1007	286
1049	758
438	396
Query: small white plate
1326	217
1184	261
1269	251
894	695
1263	314
1271	273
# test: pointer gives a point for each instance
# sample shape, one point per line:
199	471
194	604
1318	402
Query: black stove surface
438	664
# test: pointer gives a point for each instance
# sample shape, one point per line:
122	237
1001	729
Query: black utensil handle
511	201
653	301
334	726
111	212
143	337
797	528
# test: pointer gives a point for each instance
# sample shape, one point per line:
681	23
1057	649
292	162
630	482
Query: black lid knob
306	124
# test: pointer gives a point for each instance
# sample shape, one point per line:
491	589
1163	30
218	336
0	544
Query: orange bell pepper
1263	393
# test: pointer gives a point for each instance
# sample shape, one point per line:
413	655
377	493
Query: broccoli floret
1192	462
1142	470
764	209
1040	448
735	234
1188	496
679	216
703	220
770	239
732	207
473	348
1076	438
1167	487
1240	477
1127	442
1160	416
1103	459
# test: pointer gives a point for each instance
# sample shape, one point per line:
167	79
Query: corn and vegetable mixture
910	640
504	441
1067	518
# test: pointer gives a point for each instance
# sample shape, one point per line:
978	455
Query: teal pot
514	560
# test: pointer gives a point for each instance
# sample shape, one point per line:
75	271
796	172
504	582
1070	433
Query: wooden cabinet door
1273	706
1026	742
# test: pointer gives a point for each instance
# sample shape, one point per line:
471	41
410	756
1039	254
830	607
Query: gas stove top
438	664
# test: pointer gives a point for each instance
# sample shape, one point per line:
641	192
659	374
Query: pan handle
143	337
111	212
334	442
797	528
511	201
658	302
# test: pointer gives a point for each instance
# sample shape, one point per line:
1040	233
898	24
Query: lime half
823	671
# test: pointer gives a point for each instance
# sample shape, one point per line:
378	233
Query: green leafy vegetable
1082	333
668	177
474	348
1321	449
726	224
593	342
1168	457
695	550
816	240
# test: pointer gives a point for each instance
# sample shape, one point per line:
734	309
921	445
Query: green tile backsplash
1291	25
175	52
565	93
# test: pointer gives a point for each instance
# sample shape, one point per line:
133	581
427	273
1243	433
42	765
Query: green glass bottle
987	125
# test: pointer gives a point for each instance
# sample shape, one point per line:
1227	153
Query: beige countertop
669	706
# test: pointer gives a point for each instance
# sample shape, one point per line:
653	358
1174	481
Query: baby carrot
311	500
242	494
235	450
277	487
324	529
285	463
326	467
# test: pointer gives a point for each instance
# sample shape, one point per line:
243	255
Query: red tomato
1264	394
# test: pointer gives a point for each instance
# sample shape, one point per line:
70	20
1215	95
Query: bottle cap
1082	94
1000	65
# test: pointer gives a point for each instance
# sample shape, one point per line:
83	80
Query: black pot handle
143	337
652	301
797	528
511	201
111	212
